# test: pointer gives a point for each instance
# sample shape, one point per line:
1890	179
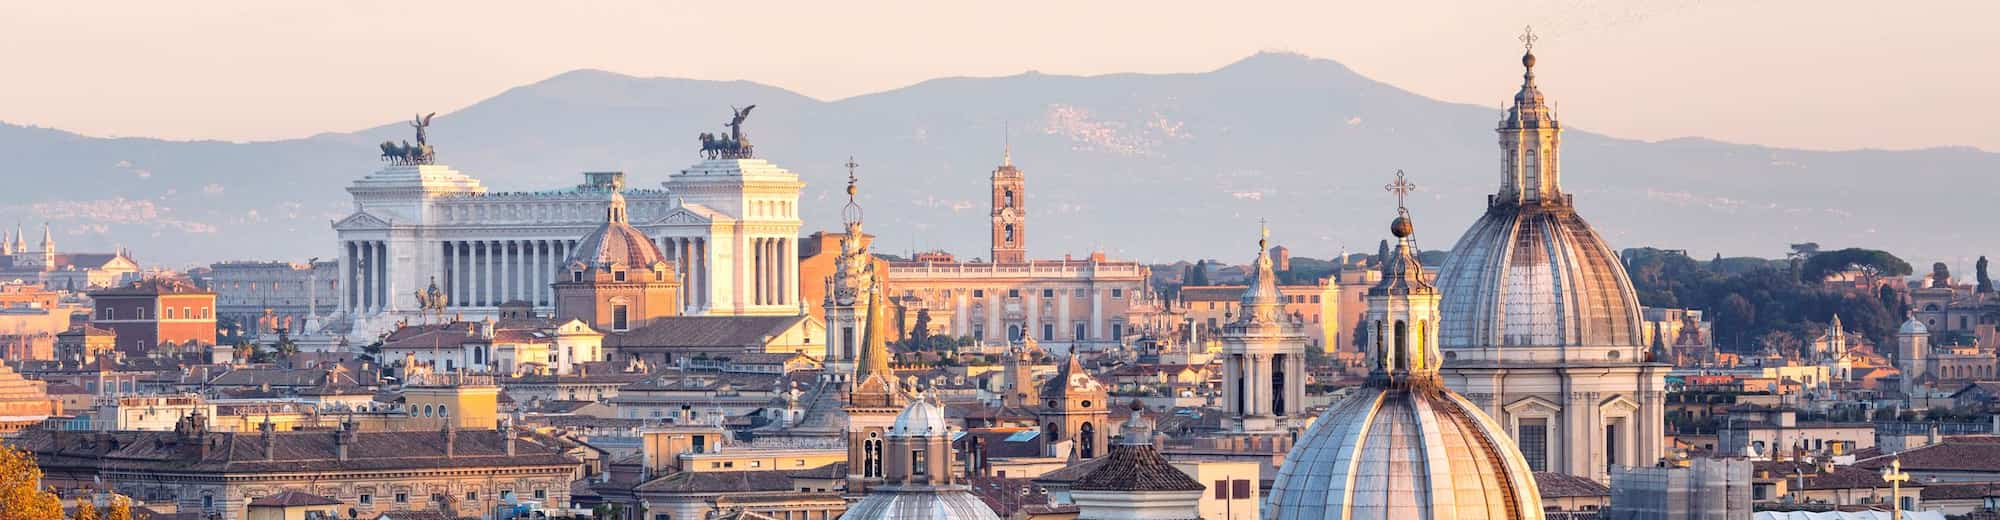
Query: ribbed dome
890	503
920	419
616	243
1535	275
1408	453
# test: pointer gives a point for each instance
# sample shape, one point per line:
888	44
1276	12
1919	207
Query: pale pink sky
1802	73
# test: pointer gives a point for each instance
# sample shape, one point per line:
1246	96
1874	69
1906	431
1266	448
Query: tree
21	495
1870	262
1199	275
1979	271
1784	343
1940	275
1382	252
121	509
1803	251
1735	316
920	333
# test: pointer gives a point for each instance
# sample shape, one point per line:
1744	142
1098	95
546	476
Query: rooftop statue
406	153
732	146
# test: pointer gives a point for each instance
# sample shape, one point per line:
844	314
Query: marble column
347	264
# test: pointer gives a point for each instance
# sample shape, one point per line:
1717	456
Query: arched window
1008	201
1402	345
872	453
1087	439
1052	432
1381	354
1010	233
1421	348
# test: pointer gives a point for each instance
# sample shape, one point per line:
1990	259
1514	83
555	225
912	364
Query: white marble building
730	226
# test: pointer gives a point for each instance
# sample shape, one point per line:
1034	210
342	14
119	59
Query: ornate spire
1402	273
48	238
1260	301
1529	110
851	214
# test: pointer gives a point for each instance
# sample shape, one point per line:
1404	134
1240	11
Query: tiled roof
1562	485
711	482
704	332
1073	472
1136	467
1972	453
292	498
291	451
1962	490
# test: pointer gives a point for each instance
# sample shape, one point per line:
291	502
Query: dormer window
618	276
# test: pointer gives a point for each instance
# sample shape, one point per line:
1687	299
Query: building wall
291	291
986	301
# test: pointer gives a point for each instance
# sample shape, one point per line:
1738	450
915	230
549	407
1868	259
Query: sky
1816	74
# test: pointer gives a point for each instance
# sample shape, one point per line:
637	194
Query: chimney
342	438
510	441
450	440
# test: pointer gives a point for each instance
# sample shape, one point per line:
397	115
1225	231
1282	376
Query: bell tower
1010	213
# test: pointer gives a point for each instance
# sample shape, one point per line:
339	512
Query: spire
1402	273
20	239
1260	301
874	340
48	239
1531	142
1007	146
851	214
1529	110
6	243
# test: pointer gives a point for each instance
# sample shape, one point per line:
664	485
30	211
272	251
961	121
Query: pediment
1618	404
684	216
360	220
1532	406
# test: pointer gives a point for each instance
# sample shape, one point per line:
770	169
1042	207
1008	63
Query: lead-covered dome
616	243
1403	446
1531	272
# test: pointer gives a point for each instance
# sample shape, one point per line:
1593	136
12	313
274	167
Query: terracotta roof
704	332
1136	467
1971	453
1562	485
1961	490
1072	473
291	451
293	498
711	482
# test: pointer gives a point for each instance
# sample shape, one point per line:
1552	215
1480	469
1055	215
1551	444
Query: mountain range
1147	166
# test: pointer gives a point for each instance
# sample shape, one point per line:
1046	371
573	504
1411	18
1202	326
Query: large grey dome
1535	275
1404	454
892	503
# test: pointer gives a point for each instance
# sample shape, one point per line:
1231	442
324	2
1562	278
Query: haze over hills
1147	166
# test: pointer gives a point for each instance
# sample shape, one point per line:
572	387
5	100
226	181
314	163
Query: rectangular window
1048	293
618	276
110	313
541	493
918	466
700	443
1117	330
1048	332
1013	293
619	318
139	313
799	462
1222	490
576	276
1240	488
366	499
186	313
170	313
1117	293
756	463
1079	331
979	293
471	496
1533	437
402	498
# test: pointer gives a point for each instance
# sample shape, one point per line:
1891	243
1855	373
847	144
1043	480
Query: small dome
893	503
616	243
1912	327
920	419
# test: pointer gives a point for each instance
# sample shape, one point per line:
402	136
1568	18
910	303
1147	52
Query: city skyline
238	70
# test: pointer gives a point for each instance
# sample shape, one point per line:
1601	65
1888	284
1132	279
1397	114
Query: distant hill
1148	166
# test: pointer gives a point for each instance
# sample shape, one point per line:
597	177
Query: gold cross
1402	188
1528	38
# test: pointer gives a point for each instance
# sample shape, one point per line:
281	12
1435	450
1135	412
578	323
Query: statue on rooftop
732	146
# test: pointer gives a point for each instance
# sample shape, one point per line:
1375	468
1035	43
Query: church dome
1531	272
616	243
1411	453
890	503
1535	275
1403	445
920	419
1913	327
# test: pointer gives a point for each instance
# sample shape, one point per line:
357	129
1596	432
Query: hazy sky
1802	73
